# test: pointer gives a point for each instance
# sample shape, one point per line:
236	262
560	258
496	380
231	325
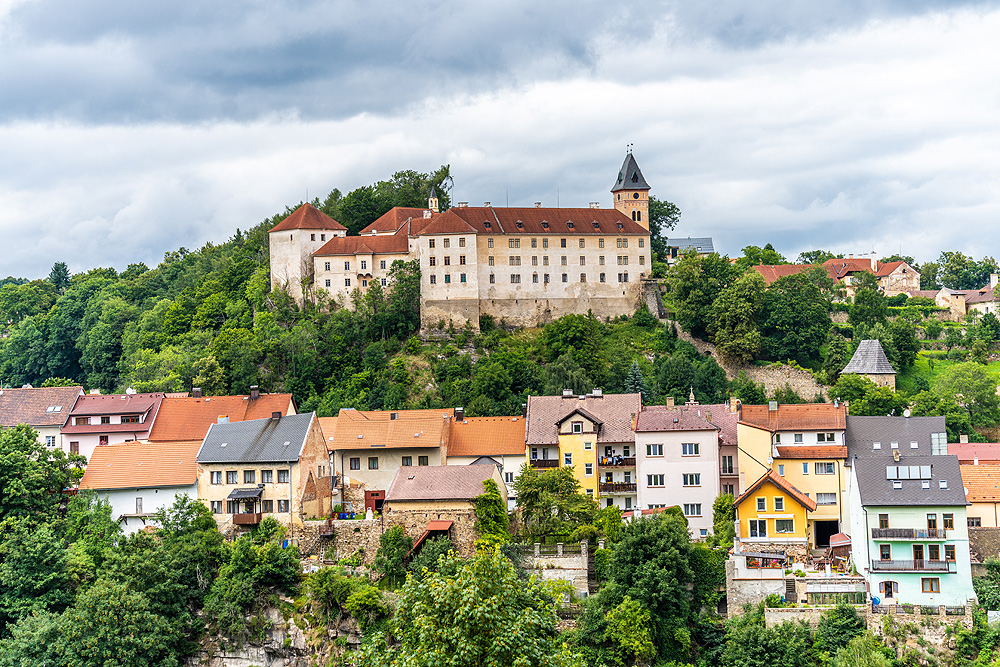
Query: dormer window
577	427
520	225
487	224
545	225
570	225
596	226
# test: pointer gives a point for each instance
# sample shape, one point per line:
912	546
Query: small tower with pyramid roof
631	192
869	361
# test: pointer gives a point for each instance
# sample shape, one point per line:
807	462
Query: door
918	555
888	588
374	500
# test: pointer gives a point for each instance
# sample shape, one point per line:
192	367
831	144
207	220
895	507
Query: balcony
246	519
545	463
909	534
616	461
728	471
913	566
617	487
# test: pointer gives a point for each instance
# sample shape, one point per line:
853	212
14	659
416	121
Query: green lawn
931	368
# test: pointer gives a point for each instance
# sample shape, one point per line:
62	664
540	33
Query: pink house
111	419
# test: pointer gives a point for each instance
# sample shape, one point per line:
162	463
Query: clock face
635	195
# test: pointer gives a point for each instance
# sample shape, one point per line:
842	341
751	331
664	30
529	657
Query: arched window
633	216
638	216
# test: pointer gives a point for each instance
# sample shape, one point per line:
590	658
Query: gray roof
257	440
630	177
703	245
862	432
877	491
614	410
869	358
439	482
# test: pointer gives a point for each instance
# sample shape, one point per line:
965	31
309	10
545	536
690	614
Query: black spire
629	177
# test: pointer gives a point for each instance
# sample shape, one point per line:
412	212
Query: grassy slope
930	369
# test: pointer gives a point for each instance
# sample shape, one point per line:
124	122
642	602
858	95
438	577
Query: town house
44	409
97	419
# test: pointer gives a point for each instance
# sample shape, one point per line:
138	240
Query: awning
840	540
432	527
242	494
438	525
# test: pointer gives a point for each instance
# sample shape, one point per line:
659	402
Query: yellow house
772	511
805	445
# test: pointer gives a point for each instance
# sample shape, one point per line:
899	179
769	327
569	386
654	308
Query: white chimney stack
994	278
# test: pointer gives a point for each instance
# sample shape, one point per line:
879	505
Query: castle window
490	261
642	260
447	243
364	265
534	260
563	260
381	265
322	237
638	216
493	279
461	277
347	266
642	243
545	260
545	243
534	278
571	225
562	243
545	224
434	279
461	242
583	244
515	278
546	279
600	260
513	243
633	216
312	237
583	277
326	266
432	261
347	282
461	260
430	243
383	282
364	283
447	278
520	225
602	278
328	282
600	243
583	260
565	278
534	243
447	260
514	260
489	243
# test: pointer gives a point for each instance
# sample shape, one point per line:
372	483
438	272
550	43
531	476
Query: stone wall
353	535
748	591
777	616
797	553
556	562
414	521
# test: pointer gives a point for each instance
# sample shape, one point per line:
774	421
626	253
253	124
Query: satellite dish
770	460
876	600
906	412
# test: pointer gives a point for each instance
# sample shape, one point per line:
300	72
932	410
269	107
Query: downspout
291	501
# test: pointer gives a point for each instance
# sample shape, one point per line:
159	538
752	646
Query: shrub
366	606
393	547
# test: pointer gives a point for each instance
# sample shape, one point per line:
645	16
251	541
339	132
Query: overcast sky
128	129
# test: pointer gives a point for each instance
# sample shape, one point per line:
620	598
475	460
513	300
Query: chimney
463	204
964	439
486	204
595	204
772	406
538	204
850	255
874	262
598	392
254	392
427	214
670	401
567	393
223	419
459	414
524	410
196	392
276	415
734	404
708	416
994	278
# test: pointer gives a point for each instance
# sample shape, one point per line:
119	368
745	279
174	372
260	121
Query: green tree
33	479
987	587
869	307
576	335
33	573
755	256
796	321
59	276
723	518
491	513
35	641
734	316
476	612
864	650
750	643
635	383
552	502
974	389
836	628
628	629
748	391
390	559
929	276
838	354
816	256
932	330
663	217
427	558
695	283
91	528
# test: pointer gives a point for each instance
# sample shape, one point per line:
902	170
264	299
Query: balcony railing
913	566
618	487
727	470
545	463
909	534
246	519
616	461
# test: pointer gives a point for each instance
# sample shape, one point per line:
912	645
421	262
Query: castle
527	265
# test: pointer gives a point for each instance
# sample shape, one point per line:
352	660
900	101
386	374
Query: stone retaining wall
414	522
570	567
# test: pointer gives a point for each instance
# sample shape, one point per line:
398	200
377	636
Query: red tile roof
780	482
307	216
839	268
42	406
440	483
142	465
968	452
812	452
96	405
615	411
190	418
802	417
773	272
661	418
983	295
354	245
584	221
487	436
357	429
982	483
395	221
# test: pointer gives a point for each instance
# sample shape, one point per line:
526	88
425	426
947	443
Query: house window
914	445
590	445
508	478
825	437
876	445
232	477
267	506
932	522
784	525
249	476
356	463
930	585
600	260
885	552
373	463
216	507
582	243
282	506
568	458
312	237
805	468
577	427
933	552
728	488
642	243
781	468
534	260
50	441
761	504
74	447
949	552
461	260
407	461
824	468
691	479
690	449
384	283
654	480
693	509
102	440
489	243
943	484
797	438
322	237
758	528
974	522
230	507
421	460
216	476
588	469
267	476
81	421
381	264
948	521
779	504
939	443
826	498
461	242
654	450
105	420
283	477
727	465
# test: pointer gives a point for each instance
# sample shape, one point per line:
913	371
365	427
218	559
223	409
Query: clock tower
631	192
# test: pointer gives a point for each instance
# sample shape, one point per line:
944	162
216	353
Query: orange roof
812	452
365	429
190	418
802	417
353	245
773	272
780	482
487	436
982	483
531	220
307	216
142	465
396	218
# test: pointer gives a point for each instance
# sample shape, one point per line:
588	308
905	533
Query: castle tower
631	192
292	244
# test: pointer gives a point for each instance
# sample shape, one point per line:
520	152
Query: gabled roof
869	359
780	482
703	245
538	221
876	488
190	418
983	295
840	268
307	216
263	440
630	177
969	452
583	413
139	465
802	417
982	482
42	406
448	222
773	272
357	429
365	245
614	410
395	220
661	418
487	436
863	432
439	482
97	405
724	417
